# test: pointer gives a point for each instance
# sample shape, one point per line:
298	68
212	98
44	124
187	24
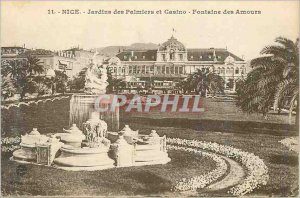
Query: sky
245	35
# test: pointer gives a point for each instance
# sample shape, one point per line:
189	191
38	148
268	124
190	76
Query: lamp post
50	75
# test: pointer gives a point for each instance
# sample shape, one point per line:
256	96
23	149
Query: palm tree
274	80
33	65
204	82
23	73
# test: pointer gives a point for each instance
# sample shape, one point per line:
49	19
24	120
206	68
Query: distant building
172	61
71	61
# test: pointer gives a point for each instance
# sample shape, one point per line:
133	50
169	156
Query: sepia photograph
149	98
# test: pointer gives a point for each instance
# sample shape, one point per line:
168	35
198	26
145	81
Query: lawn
155	180
282	164
222	122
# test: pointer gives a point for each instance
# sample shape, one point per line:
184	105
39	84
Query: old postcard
150	98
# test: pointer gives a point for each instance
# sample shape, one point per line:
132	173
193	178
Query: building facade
70	61
172	61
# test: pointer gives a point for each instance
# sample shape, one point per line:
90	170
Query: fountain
92	154
82	105
37	148
148	149
87	144
93	149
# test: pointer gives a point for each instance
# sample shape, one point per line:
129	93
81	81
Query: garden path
235	176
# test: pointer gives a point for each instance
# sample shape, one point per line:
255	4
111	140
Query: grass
214	109
283	164
155	180
222	123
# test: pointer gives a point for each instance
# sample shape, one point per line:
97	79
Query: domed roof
172	43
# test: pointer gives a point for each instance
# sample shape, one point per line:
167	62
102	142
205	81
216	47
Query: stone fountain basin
84	157
27	152
150	152
85	150
71	138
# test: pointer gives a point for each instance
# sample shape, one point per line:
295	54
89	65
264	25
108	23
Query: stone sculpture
95	78
95	131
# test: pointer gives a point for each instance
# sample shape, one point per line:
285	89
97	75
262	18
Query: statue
95	78
95	131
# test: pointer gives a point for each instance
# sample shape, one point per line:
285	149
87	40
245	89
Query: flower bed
291	143
9	144
257	173
202	180
28	102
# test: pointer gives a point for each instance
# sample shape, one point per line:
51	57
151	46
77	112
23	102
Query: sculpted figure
95	78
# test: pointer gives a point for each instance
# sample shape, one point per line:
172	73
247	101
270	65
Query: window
243	70
181	57
151	69
130	69
134	69
176	70
138	69
164	57
143	69
167	70
222	70
119	70
123	69
171	70
237	71
158	69
180	70
115	70
144	57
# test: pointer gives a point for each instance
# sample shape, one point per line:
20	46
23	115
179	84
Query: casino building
171	62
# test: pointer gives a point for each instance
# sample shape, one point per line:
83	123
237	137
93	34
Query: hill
114	50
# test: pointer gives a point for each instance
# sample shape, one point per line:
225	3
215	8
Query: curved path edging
257	171
235	176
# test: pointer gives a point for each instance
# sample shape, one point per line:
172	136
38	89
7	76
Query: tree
117	84
114	84
42	86
184	86
109	88
203	82
23	73
60	80
273	81
7	88
78	82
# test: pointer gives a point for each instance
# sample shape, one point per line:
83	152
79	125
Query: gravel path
235	176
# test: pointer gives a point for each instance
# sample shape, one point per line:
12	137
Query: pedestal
81	107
